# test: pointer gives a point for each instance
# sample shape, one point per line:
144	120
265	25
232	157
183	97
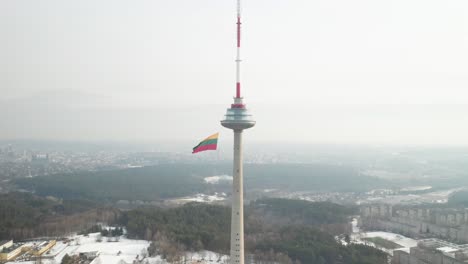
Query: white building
5	244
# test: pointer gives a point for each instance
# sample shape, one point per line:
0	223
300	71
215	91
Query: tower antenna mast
238	99
238	59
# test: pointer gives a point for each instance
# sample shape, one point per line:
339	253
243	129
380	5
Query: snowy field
119	252
405	242
416	188
200	198
218	179
437	197
358	236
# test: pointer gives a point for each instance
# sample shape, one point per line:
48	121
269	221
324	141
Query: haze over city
366	72
233	132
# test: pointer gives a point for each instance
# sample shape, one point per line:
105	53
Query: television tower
237	118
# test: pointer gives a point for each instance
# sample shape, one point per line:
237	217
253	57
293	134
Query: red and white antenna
238	59
238	99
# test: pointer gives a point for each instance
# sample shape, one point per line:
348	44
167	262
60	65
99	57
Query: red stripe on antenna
237	105
238	95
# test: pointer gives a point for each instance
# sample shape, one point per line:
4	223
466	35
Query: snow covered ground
201	198
218	179
357	237
405	242
430	197
118	252
416	188
355	226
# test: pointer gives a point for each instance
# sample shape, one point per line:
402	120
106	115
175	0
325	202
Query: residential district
19	162
440	234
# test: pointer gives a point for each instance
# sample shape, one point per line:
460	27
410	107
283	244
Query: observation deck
238	118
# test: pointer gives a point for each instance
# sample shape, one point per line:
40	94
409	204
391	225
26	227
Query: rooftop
3	242
447	249
438	244
458	252
12	248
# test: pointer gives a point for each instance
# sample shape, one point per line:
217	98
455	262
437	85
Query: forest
176	180
289	231
24	215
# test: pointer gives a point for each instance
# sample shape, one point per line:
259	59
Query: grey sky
331	71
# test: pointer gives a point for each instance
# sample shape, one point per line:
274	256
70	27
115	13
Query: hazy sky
314	71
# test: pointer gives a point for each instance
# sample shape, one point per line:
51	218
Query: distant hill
176	180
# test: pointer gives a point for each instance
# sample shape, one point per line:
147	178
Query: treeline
297	236
21	211
309	177
309	245
110	232
24	215
302	212
269	213
176	180
147	184
195	226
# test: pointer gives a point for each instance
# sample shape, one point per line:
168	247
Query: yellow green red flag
209	143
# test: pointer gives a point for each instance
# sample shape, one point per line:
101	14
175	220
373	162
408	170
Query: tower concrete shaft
237	119
237	213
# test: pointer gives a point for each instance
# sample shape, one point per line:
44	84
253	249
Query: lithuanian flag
209	143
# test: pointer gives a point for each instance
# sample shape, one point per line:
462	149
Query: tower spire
238	99
238	59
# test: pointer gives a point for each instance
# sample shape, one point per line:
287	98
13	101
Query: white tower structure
237	118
